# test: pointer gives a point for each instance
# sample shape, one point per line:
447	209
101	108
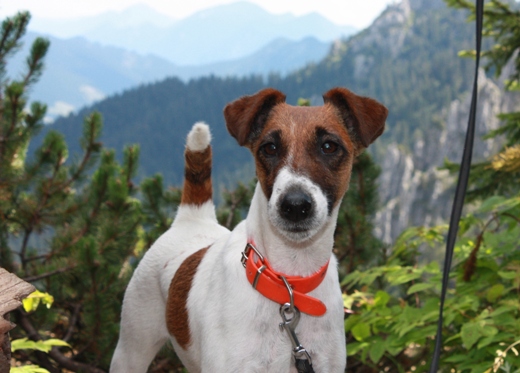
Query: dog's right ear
364	117
246	116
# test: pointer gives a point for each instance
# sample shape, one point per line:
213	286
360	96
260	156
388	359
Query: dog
230	301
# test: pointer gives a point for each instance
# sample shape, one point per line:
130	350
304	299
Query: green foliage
500	23
396	305
13	29
33	300
303	102
30	304
158	207
16	125
235	205
44	346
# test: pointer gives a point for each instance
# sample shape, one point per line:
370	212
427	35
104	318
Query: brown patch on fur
177	318
197	187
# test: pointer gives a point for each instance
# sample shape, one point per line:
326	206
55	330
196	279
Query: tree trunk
12	291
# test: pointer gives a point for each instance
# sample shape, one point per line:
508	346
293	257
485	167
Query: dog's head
304	155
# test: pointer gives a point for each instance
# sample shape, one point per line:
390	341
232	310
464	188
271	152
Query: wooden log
12	291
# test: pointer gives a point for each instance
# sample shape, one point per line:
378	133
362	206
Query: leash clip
289	324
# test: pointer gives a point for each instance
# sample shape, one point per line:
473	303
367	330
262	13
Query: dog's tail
197	190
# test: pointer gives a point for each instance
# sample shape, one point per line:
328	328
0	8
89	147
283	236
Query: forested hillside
407	59
158	117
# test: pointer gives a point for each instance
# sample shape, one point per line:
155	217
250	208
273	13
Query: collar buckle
246	253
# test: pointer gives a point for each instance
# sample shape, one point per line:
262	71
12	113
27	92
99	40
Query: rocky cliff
413	189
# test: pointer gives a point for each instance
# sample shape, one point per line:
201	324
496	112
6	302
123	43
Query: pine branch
34	61
15	109
48	274
235	202
10	41
23	249
73	320
7	29
511	216
37	257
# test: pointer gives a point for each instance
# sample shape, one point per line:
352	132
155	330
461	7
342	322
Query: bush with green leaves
395	306
30	304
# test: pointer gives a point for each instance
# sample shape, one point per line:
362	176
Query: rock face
387	31
413	190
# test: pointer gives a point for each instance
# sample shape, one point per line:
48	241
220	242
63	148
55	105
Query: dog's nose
296	206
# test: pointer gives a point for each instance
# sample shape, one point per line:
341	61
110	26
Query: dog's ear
364	117
246	116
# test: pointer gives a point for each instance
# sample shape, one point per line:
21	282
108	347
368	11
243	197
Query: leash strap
460	190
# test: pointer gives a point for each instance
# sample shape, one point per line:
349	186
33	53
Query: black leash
304	366
461	189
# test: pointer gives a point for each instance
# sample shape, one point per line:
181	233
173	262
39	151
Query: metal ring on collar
291	295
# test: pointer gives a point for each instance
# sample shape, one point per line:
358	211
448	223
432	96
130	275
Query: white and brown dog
191	287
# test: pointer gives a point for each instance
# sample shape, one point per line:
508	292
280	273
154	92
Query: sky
343	12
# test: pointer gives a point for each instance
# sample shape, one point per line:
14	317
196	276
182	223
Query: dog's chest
230	324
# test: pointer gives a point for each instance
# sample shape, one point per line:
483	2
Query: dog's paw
199	137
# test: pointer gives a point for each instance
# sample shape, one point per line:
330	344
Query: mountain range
79	72
221	33
94	57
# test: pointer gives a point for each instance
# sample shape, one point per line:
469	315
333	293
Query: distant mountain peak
142	13
243	9
221	33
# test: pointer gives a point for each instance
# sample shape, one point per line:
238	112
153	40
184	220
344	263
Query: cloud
91	94
60	108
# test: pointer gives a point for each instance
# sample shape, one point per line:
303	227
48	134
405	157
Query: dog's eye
270	149
329	147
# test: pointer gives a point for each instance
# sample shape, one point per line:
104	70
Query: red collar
270	284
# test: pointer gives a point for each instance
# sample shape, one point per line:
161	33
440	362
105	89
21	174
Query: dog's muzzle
297	208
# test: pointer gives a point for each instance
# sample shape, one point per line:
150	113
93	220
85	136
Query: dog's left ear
364	117
246	116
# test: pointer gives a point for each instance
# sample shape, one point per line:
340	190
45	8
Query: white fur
233	327
199	137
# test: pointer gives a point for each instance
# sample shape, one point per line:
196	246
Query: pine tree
67	226
159	205
236	203
355	242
